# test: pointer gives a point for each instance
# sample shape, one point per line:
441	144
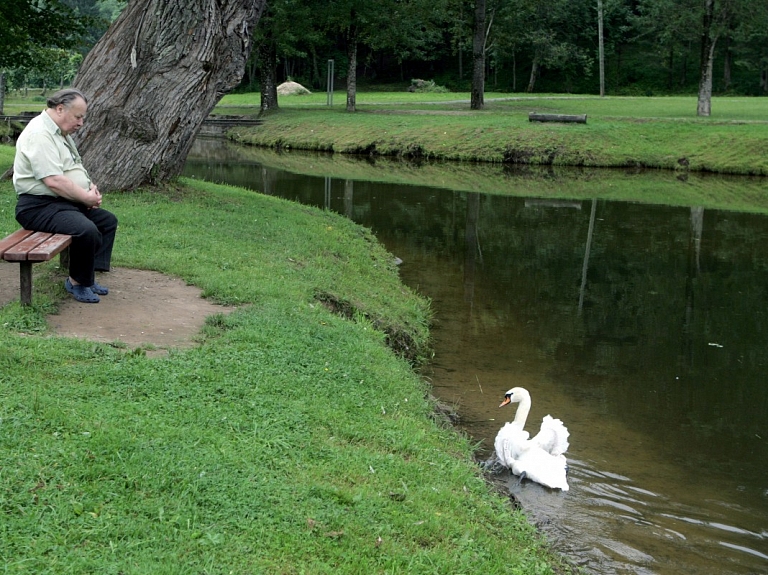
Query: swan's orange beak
505	402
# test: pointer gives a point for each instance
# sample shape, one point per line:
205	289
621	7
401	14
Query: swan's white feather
541	459
553	436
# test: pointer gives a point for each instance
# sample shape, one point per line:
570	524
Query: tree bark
477	96
514	71
534	76
727	64
708	41
671	68
2	91
151	81
317	79
352	68
267	70
601	48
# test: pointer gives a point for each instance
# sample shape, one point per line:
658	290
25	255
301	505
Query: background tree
265	54
153	78
110	9
30	28
650	45
477	95
709	36
666	30
288	31
404	29
718	18
750	43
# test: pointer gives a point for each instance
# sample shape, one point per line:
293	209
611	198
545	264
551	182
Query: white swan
540	459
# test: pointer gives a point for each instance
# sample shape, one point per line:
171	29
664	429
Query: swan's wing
509	442
553	436
543	468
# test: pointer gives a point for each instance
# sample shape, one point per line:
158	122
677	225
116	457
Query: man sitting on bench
56	195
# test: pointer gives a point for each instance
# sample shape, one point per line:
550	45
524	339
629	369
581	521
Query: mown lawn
660	132
291	440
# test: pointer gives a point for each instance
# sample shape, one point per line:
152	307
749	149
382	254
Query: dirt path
143	308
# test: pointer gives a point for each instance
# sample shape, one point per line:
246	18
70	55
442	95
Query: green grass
6	157
620	132
292	440
17	102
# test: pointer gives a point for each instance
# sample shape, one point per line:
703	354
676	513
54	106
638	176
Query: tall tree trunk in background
352	67
708	41
514	71
671	68
459	43
727	70
151	81
317	79
727	64
477	101
684	68
534	75
600	44
267	73
2	92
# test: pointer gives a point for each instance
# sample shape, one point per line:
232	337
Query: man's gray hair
65	97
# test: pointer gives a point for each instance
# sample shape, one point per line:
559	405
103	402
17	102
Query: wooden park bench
27	247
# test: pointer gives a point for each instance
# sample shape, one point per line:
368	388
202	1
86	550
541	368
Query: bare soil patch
143	309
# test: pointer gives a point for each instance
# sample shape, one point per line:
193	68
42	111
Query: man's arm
66	188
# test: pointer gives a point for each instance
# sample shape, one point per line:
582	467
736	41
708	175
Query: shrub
426	86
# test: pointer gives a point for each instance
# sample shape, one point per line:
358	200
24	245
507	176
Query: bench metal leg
25	282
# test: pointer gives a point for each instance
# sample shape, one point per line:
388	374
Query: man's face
70	118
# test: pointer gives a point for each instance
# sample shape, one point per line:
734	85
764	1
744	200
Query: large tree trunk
708	41
151	81
477	96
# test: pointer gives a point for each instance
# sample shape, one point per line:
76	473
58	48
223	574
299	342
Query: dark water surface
643	327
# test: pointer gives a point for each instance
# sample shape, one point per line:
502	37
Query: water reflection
642	326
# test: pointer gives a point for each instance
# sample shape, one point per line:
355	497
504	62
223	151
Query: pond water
643	327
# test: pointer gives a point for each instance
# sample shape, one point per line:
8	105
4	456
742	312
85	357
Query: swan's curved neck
521	415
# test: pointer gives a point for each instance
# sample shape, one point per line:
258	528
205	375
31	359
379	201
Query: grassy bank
292	440
711	191
620	132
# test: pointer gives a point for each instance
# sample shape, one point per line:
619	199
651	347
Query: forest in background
650	47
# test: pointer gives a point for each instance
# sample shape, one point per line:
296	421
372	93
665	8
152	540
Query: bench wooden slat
49	248
18	253
13	239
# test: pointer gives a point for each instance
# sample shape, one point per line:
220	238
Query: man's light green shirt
42	151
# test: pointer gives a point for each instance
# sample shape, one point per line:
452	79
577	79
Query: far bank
661	133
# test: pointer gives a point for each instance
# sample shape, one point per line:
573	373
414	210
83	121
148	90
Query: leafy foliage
30	28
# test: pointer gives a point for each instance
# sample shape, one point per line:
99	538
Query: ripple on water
607	525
